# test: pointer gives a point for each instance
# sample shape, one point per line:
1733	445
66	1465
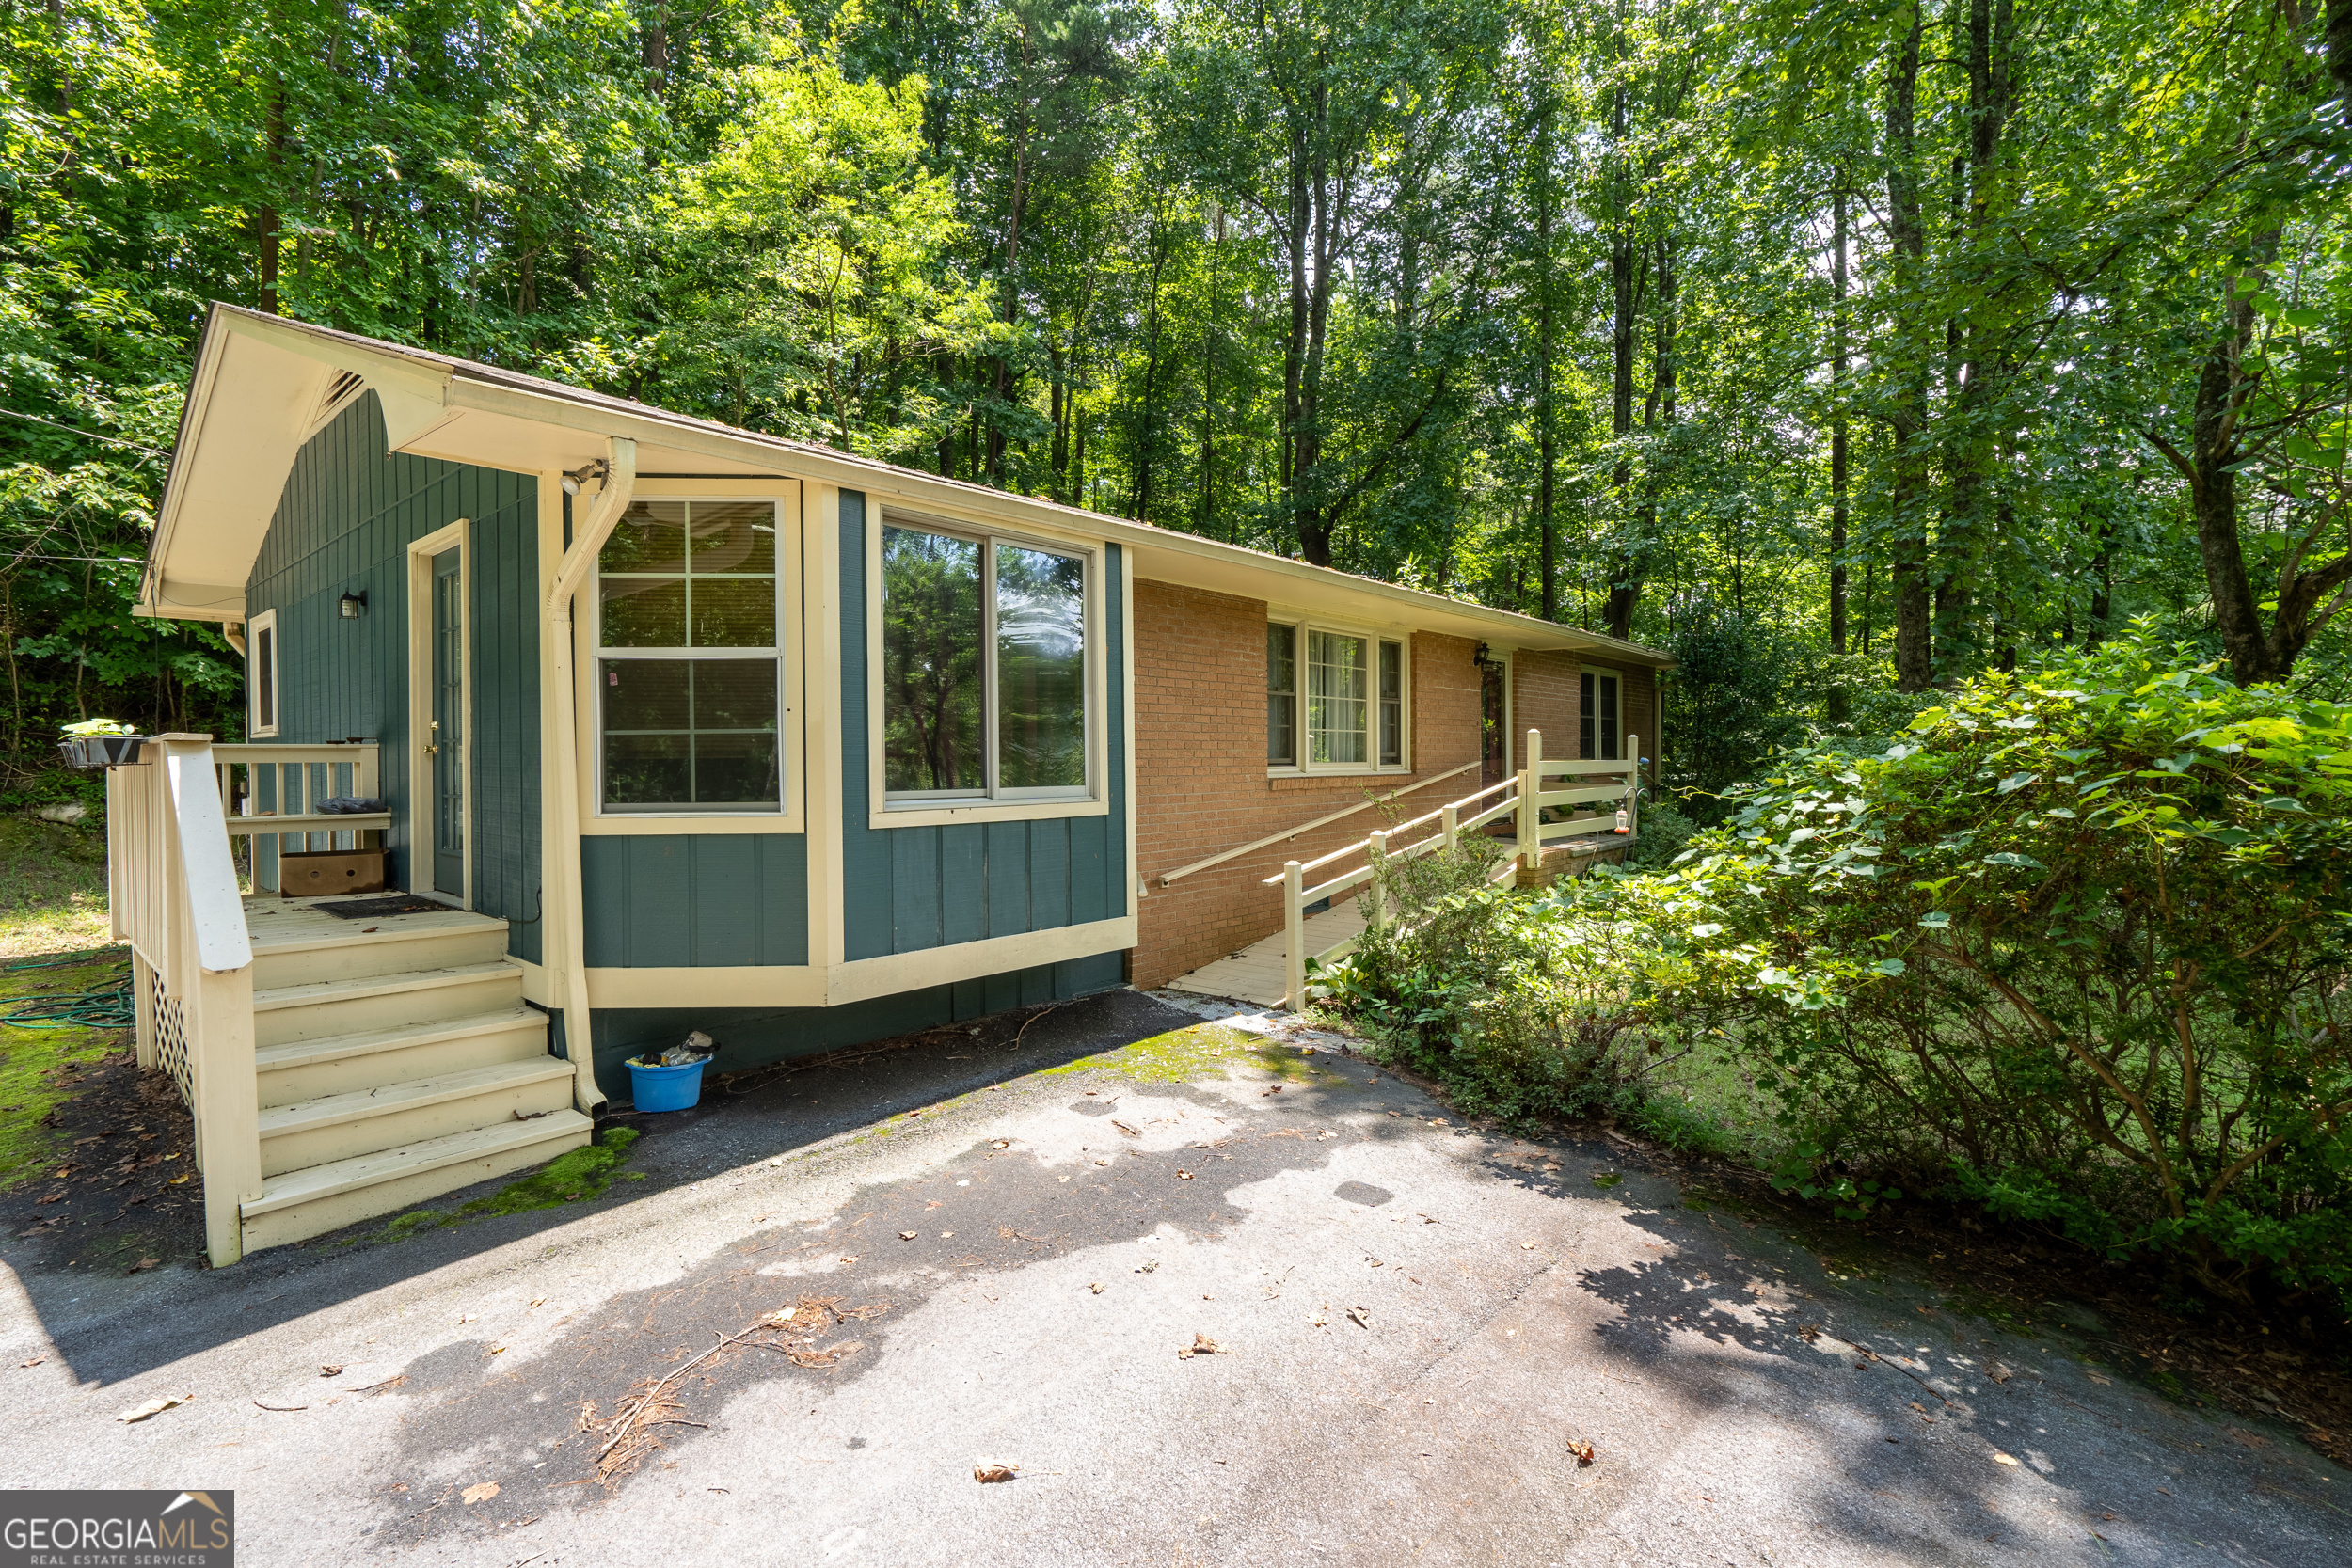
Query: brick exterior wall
1200	774
1548	693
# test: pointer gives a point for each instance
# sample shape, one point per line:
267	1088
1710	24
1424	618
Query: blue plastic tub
666	1088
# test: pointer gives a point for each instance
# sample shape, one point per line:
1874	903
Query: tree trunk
1914	667
1617	609
1547	437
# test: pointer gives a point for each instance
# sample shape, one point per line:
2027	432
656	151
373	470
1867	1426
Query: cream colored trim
922	812
804	985
535	979
827	772
1374	633
775	986
914	815
888	975
595	821
421	844
265	622
1127	670
561	726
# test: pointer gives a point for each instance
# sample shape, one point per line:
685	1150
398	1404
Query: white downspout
571	959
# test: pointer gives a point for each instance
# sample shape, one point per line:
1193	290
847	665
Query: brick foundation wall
1201	777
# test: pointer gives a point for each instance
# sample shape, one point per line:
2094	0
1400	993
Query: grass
53	900
1183	1055
581	1174
53	887
41	1069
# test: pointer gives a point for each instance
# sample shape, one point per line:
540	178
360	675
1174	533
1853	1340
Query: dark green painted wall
908	889
750	1037
695	901
343	524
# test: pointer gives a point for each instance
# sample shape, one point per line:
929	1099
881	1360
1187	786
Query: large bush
1517	1004
2076	946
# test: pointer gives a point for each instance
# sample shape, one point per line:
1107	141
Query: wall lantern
600	468
350	605
1485	660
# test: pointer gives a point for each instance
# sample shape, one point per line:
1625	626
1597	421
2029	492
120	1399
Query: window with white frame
688	662
1335	699
260	675
1598	732
986	646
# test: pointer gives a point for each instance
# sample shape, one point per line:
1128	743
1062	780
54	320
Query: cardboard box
312	876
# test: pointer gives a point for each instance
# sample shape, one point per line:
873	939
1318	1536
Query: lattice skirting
171	1039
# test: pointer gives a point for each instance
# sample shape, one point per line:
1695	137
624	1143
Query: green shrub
1516	1005
2075	948
1665	830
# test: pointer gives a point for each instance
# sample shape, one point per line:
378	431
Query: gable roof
263	385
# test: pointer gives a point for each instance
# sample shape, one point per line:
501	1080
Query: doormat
370	909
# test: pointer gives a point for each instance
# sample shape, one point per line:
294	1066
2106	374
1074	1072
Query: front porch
336	1068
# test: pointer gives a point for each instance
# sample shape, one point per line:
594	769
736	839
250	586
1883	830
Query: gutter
571	957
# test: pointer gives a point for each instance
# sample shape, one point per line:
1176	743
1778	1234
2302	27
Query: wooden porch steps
319	1198
394	1061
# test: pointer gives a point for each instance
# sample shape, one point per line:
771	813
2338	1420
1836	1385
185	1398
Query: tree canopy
1844	350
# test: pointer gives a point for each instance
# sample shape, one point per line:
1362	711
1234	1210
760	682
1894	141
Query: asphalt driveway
1415	1324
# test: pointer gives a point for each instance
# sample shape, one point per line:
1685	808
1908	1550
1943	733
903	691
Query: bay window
985	646
1335	700
688	666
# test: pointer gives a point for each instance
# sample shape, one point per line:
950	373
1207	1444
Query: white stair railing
173	896
276	810
1520	796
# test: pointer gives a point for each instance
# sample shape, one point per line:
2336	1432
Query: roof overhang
265	384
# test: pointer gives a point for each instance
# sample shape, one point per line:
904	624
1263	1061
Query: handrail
281	791
216	908
173	895
1169	877
1528	800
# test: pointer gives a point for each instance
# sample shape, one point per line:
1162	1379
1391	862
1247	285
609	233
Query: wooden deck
284	925
1255	974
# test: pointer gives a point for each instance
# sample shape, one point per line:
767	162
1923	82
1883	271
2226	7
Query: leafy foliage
2077	945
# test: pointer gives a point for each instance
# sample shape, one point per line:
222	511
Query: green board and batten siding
695	901
702	900
343	524
920	888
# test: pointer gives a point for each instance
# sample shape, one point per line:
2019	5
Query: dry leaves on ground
1201	1345
1583	1452
988	1470
479	1493
1360	1317
155	1406
791	1331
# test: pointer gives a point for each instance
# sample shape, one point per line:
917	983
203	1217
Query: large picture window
984	667
1335	700
689	670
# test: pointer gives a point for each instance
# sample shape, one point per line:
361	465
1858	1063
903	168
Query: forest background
1842	349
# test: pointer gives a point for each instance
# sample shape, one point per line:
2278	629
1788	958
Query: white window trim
1303	768
1615	674
785	816
931	810
265	622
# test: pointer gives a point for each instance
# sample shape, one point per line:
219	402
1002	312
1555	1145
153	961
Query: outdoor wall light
597	470
350	605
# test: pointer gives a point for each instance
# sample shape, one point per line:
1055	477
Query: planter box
91	752
318	874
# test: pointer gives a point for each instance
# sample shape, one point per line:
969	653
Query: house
666	725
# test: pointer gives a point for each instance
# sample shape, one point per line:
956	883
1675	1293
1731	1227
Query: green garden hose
102	1006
